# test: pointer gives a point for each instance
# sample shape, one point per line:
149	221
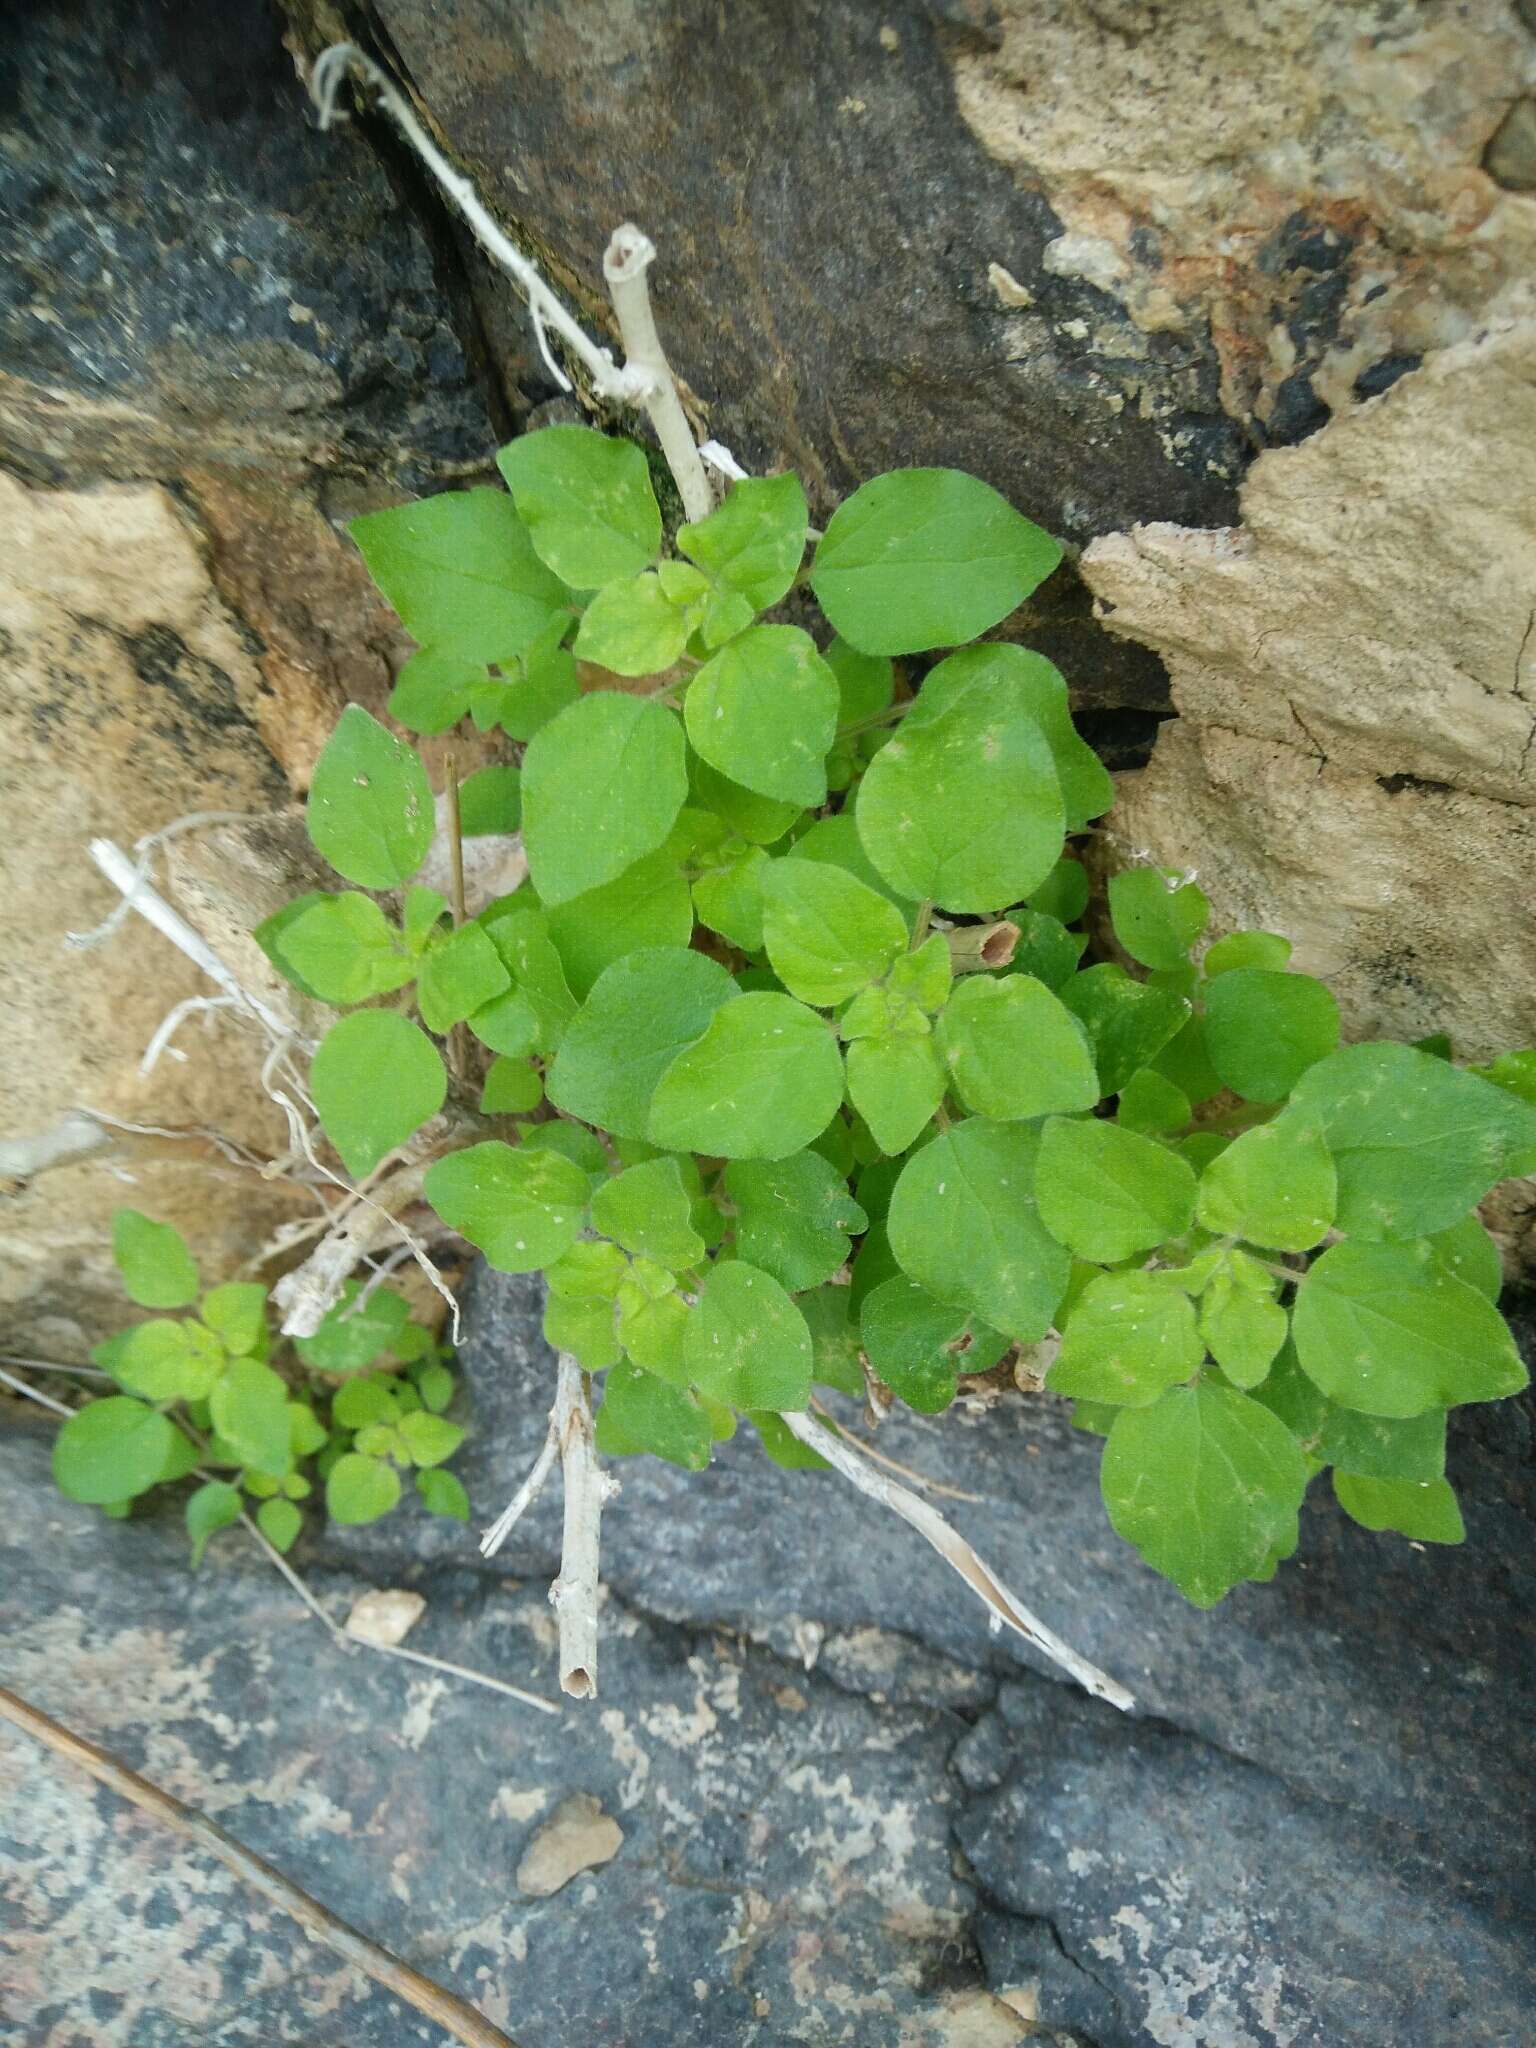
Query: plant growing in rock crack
780	1062
361	1401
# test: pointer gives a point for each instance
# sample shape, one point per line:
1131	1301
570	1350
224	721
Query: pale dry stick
144	855
626	260
453	2014
574	1593
171	1023
89	1372
74	1137
1004	1607
35	1394
918	1479
526	1494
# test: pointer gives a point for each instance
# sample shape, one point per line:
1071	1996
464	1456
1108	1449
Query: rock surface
847	1815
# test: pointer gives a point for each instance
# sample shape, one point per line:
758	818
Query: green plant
360	1401
791	1067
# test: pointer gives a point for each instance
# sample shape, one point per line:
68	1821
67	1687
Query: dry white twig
74	1137
1004	1607
626	260
526	1494
587	1486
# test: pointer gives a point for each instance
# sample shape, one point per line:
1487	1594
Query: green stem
848	732
920	924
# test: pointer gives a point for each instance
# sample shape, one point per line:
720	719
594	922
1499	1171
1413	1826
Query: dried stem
958	1554
574	1593
454	2015
628	257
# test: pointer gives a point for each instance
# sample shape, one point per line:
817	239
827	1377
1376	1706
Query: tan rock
129	699
578	1836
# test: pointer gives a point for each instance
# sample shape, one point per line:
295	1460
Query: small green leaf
280	1522
963	1223
250	1412
213	1506
910	1339
924	976
1127	1022
654	1320
1513	1071
782	1445
1380	1446
965	809
345	950
111	1450
435	1386
1274	1185
643	1413
1107	1193
1045	948
236	1312
1386	1329
443	1494
641	1013
1063	894
460	973
647	1210
834	1340
866	683
794	1218
762	819
1246	949
924	558
375	1080
1417	1142
157	1269
1242	1328
1014	1050
1207	1485
491	802
1157	918
545	682
729	898
533	1015
166	1361
421	913
511	1087
1036	686
587	502
430	1439
364	1400
632	628
360	1489
461	573
763	711
1425	1510
582	1289
1152	1105
836	841
521	1207
747	1343
435	688
895	1081
370	812
1467	1251
827	934
754	541
763	1080
1263	1030
1129	1337
648	905
352	1337
602	786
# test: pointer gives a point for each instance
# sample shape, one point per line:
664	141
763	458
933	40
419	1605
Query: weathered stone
1355	668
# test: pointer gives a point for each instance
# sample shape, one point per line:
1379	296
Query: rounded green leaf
1152	1105
827	934
1063	894
158	1271
360	1489
364	1400
648	1211
866	683
633	628
746	1342
1246	949
602	786
794	1217
764	1079
1013	1050
1243	1330
1263	1030
1157	918
1467	1251
761	819
1037	686
1129	1337
1416	1141
443	1494
462	574
236	1312
344	950
1127	1022
763	712
643	1413
351	1337
429	1438
587	502
965	810
370	810
648	905
491	801
924	558
539	997
910	1338
1045	948
511	1087
249	1407
460	973
280	1522
112	1450
522	1207
836	841
1424	1510
1207	1485
895	1081
211	1507
1380	1446
1109	1193
375	1079
166	1361
1275	1185
641	1013
963	1223
1386	1329
754	541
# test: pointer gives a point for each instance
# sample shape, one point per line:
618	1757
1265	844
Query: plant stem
574	1593
625	262
453	2014
889	717
920	924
